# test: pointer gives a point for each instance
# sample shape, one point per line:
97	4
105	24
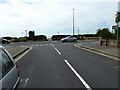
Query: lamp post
26	33
73	21
78	31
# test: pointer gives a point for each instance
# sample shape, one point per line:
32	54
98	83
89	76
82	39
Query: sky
48	17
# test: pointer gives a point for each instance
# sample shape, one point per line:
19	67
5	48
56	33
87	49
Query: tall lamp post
73	21
26	33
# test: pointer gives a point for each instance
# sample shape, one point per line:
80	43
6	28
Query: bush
23	39
40	38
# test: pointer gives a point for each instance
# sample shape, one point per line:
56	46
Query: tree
98	32
104	33
31	35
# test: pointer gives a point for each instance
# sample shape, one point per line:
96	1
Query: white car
9	74
69	39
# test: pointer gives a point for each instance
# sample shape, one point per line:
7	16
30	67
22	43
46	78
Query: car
69	39
9	73
5	41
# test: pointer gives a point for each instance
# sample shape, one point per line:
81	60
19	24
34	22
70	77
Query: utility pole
78	31
26	33
58	33
73	21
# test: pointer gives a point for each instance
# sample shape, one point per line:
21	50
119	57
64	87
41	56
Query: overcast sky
48	17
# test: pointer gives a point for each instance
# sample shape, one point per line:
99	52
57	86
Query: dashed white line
41	45
26	81
57	51
32	45
79	77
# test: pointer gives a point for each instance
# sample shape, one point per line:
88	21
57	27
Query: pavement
95	46
16	50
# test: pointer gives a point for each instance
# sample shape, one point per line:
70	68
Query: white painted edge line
52	45
57	51
17	59
26	81
79	77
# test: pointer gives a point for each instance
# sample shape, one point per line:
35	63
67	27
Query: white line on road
79	77
26	81
32	45
41	45
57	51
52	45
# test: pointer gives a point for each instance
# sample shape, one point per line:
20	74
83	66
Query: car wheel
5	42
65	41
75	40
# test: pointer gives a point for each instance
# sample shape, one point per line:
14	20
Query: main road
62	65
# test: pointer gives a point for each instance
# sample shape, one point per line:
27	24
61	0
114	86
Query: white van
9	75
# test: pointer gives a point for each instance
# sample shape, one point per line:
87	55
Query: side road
16	51
106	50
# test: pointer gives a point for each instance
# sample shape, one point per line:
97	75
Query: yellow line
99	53
18	58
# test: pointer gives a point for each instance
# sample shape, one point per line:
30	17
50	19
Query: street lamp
73	21
26	33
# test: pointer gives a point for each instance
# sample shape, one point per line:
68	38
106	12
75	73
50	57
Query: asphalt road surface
62	65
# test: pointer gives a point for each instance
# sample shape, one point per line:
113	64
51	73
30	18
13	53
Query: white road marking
57	51
26	81
37	45
41	45
8	46
78	76
32	45
117	67
18	58
52	45
22	46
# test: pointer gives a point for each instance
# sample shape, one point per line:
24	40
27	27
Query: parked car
9	74
4	41
69	39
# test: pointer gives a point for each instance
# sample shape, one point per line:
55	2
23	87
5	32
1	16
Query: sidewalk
15	50
95	46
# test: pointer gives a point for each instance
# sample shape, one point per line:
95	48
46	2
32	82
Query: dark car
4	41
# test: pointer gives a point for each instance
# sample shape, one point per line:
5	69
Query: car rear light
17	69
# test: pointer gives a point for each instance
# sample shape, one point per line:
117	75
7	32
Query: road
62	65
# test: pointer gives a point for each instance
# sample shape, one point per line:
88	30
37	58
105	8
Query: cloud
51	16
